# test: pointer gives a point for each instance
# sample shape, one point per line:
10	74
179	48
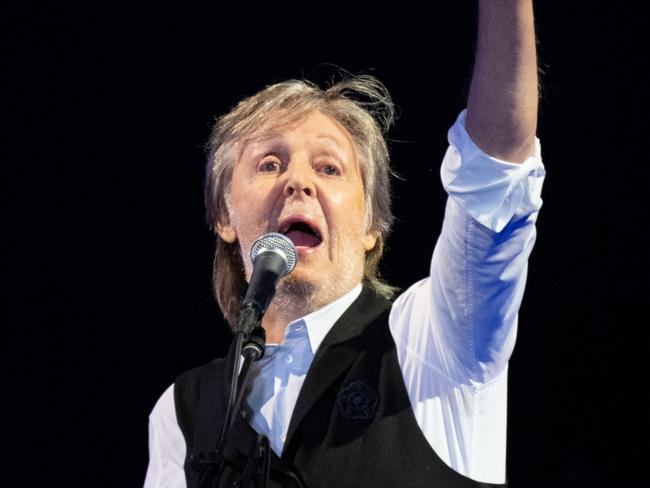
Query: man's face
306	183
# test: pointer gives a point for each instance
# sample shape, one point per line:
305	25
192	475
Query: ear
227	232
369	240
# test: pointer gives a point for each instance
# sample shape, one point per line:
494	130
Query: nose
299	180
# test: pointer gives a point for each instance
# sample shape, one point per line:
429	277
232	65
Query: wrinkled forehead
324	128
265	125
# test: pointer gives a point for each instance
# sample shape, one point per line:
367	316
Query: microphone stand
250	346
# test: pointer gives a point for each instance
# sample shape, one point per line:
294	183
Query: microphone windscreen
279	244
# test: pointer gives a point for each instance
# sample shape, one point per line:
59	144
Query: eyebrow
259	144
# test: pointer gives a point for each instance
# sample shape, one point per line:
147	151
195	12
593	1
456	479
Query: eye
269	165
330	170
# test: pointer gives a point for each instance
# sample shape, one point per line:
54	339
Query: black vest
352	426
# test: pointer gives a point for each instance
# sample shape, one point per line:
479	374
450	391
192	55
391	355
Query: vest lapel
336	353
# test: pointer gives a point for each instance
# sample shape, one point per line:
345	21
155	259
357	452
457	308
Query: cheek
349	208
350	198
252	204
356	208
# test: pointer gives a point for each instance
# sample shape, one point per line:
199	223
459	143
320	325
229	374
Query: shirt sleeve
166	446
455	330
470	300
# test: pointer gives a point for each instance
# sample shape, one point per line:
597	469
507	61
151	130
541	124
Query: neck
276	320
288	304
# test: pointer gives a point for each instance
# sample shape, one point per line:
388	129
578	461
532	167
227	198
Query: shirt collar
320	322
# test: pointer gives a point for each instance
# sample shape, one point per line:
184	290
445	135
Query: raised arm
503	96
493	174
455	330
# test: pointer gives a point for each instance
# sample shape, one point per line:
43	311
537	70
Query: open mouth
302	234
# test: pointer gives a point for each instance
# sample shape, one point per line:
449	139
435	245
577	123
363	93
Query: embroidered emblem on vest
357	401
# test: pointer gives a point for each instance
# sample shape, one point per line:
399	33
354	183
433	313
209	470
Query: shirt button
299	328
288	359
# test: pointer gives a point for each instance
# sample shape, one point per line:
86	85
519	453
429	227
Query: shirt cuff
490	190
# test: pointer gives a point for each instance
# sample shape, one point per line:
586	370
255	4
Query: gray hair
361	104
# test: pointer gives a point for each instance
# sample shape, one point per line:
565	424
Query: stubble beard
296	295
303	297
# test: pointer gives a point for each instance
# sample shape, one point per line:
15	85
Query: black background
107	283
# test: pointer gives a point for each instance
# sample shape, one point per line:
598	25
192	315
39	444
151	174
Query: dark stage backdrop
107	271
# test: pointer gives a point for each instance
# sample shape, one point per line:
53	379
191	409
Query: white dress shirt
454	330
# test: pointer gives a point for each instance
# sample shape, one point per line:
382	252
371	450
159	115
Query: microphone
273	256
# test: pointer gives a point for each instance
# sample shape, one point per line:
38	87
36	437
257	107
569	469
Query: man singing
355	390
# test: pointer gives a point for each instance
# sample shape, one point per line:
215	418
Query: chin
314	289
298	283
